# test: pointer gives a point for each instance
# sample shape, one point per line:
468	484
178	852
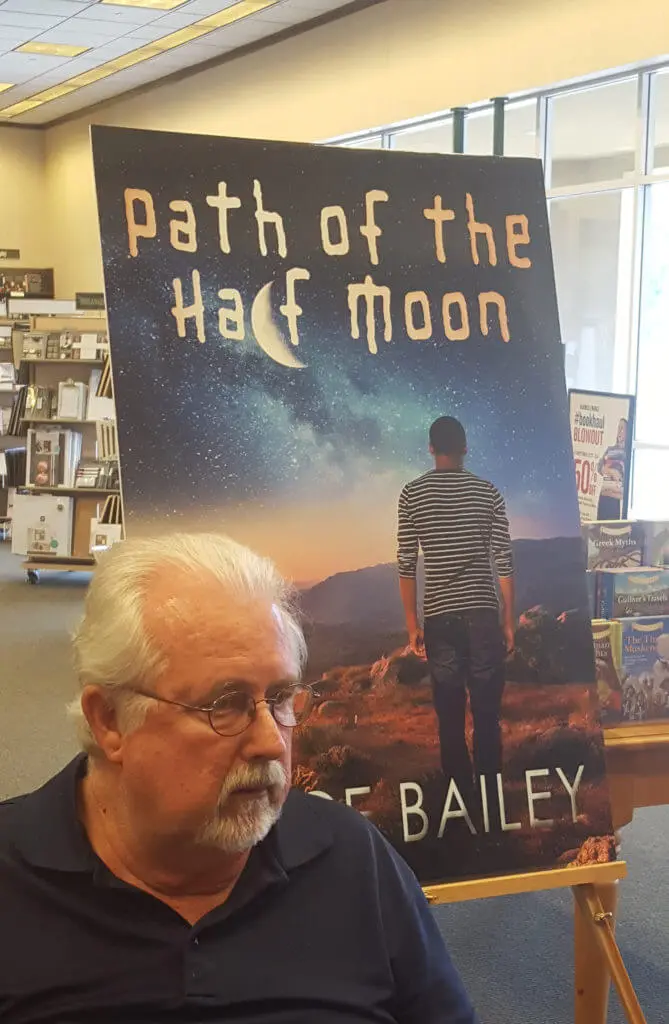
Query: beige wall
23	212
398	60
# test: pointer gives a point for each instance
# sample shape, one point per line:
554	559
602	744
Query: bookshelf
64	412
71	490
63	362
61	419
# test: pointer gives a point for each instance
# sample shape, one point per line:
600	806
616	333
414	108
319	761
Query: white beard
235	830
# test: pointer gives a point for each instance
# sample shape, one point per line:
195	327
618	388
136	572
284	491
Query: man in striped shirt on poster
459	523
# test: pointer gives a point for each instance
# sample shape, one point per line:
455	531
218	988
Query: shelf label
89	300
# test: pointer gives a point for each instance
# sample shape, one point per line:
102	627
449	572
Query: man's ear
431	450
102	717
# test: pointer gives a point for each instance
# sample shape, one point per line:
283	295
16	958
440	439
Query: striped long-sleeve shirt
459	522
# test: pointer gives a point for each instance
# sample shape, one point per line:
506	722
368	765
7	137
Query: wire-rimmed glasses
234	711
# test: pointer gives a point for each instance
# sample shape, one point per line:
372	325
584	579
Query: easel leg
598	959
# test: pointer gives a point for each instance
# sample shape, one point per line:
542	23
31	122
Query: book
88	473
72	398
53	456
40	403
46	458
645	668
607	638
613	545
33	346
631	593
591	581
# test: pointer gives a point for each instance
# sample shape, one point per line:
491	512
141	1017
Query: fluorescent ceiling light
184	35
156	5
6	85
20	108
239	10
52	49
89	77
128	60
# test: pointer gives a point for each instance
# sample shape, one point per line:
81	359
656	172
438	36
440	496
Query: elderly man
168	874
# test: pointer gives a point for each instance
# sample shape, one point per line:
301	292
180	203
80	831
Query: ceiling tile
18	67
126	15
203	7
51	8
106	29
36	22
147	33
77	35
111	49
11	37
175	20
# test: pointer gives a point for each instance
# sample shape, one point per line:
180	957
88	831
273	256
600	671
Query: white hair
111	645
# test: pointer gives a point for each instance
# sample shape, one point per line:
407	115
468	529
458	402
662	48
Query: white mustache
270	775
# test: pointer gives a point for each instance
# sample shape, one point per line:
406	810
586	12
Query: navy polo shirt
326	925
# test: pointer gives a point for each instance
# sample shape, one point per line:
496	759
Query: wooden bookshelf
69	490
63	362
56	420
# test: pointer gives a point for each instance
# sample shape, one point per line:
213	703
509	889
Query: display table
637	761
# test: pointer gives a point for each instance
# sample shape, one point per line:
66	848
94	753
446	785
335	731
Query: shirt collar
49	834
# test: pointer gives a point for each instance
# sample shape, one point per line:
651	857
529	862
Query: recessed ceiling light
157	5
52	49
6	85
239	10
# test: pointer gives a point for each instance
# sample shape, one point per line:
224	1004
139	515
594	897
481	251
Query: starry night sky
307	464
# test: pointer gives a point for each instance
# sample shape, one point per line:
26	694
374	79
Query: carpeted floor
515	954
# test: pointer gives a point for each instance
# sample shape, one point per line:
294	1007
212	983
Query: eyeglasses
232	712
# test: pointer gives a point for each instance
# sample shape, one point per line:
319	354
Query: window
435	138
652	422
520	129
478	131
659	148
593	134
592	250
650	490
369	142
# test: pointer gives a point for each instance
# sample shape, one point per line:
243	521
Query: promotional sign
286	322
20	283
602	431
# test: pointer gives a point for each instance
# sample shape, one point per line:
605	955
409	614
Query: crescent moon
267	334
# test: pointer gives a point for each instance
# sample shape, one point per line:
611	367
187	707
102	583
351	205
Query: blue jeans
466	653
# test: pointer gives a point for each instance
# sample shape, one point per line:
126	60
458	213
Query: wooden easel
597	957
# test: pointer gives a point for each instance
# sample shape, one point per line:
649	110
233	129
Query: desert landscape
374	726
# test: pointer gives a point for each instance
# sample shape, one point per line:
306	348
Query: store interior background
588	82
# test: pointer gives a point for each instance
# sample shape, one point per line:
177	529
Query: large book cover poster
286	323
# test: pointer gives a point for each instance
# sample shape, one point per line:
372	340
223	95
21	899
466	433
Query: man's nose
263	738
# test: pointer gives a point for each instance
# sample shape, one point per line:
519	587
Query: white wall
400	59
23	214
